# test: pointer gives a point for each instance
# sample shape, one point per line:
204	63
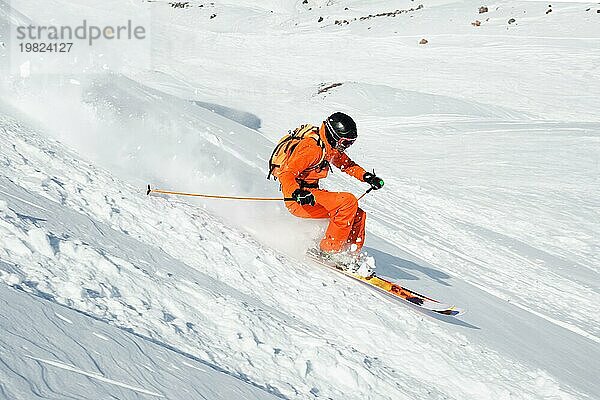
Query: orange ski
392	289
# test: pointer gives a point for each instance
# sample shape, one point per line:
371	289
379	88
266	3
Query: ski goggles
341	143
344	143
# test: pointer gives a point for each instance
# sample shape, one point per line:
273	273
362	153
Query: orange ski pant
346	220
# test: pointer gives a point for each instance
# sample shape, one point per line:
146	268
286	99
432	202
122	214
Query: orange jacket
307	154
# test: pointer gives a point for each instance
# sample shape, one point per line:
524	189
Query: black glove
303	197
373	180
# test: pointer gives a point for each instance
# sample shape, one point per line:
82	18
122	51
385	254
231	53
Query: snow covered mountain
488	139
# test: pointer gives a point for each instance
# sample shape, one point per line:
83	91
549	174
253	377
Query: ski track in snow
514	256
76	370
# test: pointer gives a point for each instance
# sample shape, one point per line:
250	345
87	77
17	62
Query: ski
392	289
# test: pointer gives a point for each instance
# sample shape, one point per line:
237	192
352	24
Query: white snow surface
488	139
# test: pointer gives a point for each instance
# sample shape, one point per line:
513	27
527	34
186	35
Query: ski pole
364	194
211	196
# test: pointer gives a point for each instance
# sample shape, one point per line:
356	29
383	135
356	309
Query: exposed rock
320	19
483	9
476	23
324	87
180	4
512	21
424	41
385	14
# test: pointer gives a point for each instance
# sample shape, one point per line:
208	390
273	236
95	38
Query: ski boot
357	263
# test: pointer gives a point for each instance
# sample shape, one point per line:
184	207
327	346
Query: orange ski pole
212	196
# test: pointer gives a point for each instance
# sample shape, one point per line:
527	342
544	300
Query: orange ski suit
303	169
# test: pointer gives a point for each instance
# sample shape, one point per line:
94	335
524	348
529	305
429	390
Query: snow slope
89	357
273	325
488	143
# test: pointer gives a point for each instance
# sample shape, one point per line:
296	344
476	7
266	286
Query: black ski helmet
340	130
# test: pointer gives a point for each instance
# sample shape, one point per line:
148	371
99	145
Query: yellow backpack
288	144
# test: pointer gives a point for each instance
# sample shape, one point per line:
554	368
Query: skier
304	157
